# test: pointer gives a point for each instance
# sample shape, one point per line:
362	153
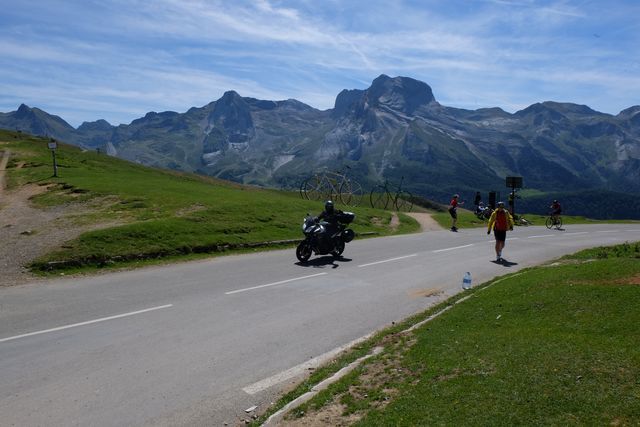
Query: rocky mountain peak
23	112
345	99
232	113
399	93
98	125
630	112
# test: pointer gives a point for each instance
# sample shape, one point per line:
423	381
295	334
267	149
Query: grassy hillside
164	213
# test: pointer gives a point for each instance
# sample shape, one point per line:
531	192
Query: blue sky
119	59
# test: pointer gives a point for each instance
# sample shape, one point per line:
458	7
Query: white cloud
137	56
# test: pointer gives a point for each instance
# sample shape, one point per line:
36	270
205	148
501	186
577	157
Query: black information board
514	181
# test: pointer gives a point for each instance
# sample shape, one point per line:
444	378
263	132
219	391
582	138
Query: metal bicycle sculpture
383	196
337	186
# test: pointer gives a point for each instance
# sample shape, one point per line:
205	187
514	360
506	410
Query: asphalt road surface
199	343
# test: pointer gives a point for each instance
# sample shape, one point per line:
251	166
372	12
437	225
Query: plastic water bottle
466	281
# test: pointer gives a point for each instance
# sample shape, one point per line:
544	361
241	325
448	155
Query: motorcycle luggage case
348	235
346	217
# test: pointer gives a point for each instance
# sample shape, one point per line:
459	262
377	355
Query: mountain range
393	129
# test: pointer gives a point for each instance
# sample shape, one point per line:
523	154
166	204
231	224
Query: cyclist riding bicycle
556	210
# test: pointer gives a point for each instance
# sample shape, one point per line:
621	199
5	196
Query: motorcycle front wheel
303	252
338	249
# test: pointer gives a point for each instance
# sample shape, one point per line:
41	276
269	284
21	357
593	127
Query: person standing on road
501	221
453	211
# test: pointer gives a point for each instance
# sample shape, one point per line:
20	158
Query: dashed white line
608	231
451	249
573	234
274	284
387	260
89	322
538	237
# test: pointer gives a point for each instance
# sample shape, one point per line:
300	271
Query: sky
85	60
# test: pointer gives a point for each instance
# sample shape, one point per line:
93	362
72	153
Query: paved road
198	343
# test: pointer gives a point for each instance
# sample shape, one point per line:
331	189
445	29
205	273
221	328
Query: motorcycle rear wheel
303	252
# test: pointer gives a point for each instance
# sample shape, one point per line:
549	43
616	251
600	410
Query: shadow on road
503	262
323	262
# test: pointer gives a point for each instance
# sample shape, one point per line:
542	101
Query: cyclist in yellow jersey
500	221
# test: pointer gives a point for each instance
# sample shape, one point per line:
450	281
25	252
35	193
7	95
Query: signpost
513	182
53	145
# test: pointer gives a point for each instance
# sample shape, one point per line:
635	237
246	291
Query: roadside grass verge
552	345
163	214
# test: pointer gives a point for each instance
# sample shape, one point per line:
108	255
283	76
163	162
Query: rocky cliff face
393	129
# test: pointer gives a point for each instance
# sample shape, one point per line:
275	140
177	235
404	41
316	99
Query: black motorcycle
322	238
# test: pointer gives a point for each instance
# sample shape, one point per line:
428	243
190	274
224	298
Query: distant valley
393	129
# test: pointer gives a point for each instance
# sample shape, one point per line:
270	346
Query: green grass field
553	345
163	214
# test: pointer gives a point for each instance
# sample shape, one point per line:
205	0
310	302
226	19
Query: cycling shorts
501	236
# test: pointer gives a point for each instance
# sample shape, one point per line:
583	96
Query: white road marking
274	284
89	322
608	231
537	237
452	249
388	260
573	234
301	368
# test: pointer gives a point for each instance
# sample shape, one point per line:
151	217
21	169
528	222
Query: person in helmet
330	216
556	210
500	221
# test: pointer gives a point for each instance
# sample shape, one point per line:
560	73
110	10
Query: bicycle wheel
558	223
350	193
313	188
303	189
327	189
379	197
549	223
403	201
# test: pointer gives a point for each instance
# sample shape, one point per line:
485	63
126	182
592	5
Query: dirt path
27	232
427	223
